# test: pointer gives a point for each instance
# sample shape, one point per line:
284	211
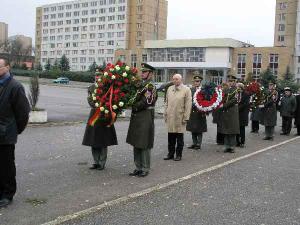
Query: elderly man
14	113
177	113
141	128
287	107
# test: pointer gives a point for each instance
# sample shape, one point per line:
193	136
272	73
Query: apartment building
88	31
3	32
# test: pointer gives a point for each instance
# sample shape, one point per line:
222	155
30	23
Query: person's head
177	79
231	81
197	78
4	66
147	71
287	91
240	86
271	85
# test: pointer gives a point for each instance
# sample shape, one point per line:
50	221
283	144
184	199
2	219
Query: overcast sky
246	20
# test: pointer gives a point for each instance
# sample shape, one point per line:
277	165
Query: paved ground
52	169
261	190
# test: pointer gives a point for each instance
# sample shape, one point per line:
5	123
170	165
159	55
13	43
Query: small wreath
208	98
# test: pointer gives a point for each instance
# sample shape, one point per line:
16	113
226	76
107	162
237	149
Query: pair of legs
197	140
229	142
286	125
175	144
142	159
8	184
269	131
254	126
240	138
100	157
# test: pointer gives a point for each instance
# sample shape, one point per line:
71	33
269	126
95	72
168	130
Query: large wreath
257	94
114	88
208	98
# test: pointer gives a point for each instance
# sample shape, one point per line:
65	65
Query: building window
274	58
241	67
144	58
256	69
195	55
282	17
133	60
281	27
122	58
282	5
281	38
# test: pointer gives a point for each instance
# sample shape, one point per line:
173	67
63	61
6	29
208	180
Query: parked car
61	80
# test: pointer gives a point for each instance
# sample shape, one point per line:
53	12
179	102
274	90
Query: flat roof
200	43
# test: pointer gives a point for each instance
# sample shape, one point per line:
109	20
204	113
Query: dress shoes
197	147
192	147
169	157
94	167
135	173
268	138
4	202
178	158
143	174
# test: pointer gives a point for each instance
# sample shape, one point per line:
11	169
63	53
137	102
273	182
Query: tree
266	77
55	65
288	81
93	67
249	77
48	65
64	64
24	66
34	88
38	67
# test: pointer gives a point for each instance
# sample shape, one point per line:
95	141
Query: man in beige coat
177	113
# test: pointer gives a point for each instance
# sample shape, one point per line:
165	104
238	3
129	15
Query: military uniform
99	137
269	113
244	106
197	124
229	118
288	107
141	128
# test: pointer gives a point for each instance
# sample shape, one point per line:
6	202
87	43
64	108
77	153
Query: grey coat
98	135
288	106
228	121
197	122
256	114
269	112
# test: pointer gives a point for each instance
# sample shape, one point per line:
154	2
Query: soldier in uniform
197	122
141	128
98	136
269	112
287	107
229	115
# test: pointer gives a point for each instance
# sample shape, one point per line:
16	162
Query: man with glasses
14	114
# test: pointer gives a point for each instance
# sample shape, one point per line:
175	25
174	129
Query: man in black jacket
14	113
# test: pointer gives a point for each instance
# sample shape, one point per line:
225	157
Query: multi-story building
3	32
88	31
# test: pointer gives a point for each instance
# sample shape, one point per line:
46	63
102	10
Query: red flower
122	94
116	91
107	104
134	70
119	63
126	81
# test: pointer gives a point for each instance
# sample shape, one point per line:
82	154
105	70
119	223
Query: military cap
197	76
287	89
272	81
231	77
147	67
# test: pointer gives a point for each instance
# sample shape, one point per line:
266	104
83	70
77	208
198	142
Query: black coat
197	122
244	107
14	111
98	135
297	112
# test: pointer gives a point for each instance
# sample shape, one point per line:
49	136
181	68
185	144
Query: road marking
80	214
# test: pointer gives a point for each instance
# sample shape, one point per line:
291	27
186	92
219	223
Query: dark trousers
286	124
175	139
220	138
8	184
298	129
255	125
240	138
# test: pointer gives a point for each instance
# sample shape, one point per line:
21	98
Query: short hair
177	75
6	61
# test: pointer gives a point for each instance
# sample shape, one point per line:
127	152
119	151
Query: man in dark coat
269	111
14	114
98	136
229	115
197	122
297	114
287	107
141	128
244	107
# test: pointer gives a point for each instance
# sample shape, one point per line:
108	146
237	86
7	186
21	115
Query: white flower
96	85
121	104
99	80
101	109
117	67
95	91
105	74
127	68
124	74
97	104
94	98
113	77
106	111
114	107
111	69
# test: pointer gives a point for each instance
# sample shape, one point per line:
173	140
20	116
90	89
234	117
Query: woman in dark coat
297	114
197	122
98	136
244	107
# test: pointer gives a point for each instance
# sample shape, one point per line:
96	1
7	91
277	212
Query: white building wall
97	43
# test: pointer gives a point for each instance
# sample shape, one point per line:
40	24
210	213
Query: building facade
89	31
25	41
3	32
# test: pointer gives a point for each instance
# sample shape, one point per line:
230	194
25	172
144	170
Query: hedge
53	74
